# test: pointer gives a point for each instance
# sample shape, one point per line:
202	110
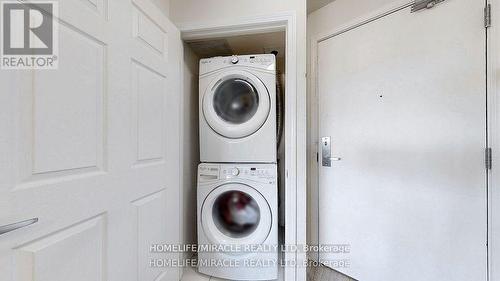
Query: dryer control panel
264	62
266	173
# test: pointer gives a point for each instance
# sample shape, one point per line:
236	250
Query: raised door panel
76	253
98	6
149	111
61	114
148	32
150	38
68	107
151	229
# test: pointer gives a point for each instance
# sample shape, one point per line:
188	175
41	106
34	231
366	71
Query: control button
235	60
235	172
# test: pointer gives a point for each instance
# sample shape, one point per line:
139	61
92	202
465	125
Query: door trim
493	121
295	116
493	127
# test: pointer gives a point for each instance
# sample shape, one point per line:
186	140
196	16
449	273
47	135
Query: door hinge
488	158
487	16
424	4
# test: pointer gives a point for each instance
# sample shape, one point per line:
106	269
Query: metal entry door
403	100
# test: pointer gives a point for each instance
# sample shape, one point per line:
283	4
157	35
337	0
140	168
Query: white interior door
92	149
403	100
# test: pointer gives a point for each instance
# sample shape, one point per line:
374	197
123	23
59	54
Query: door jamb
284	21
493	126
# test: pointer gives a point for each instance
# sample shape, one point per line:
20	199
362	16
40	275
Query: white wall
190	145
186	11
341	12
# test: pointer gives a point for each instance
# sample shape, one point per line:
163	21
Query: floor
323	273
191	274
313	274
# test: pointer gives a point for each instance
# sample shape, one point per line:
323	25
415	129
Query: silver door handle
13	226
326	152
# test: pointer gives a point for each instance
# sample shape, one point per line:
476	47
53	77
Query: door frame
492	127
295	208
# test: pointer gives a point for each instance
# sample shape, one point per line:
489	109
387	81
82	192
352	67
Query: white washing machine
238	109
237	221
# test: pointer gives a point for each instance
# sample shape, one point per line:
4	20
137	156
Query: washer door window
236	214
236	104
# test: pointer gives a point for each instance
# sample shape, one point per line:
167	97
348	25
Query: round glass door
236	214
236	100
236	104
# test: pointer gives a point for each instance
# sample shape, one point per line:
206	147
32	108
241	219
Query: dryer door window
236	214
236	100
236	104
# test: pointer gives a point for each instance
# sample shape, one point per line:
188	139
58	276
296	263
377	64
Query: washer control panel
208	173
266	173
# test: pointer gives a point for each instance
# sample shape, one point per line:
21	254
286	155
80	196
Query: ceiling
313	5
243	45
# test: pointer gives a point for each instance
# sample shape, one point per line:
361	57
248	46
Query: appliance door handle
13	226
335	159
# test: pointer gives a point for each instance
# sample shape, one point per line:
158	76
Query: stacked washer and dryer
237	179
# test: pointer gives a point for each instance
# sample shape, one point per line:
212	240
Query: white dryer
238	109
237	221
